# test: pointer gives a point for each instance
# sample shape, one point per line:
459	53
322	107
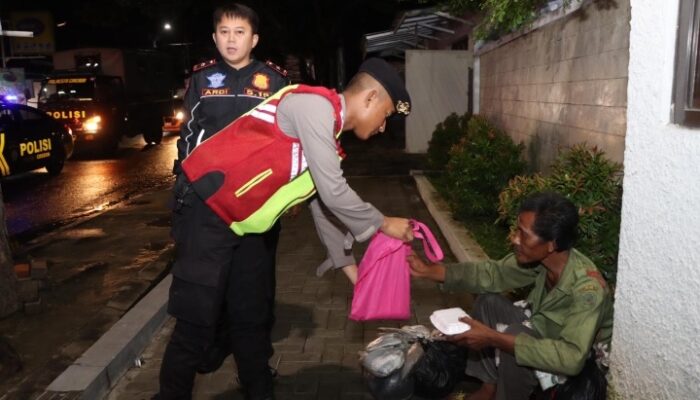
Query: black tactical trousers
243	296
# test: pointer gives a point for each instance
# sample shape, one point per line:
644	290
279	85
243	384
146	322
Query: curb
460	240
101	366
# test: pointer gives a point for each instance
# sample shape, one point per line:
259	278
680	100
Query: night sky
302	27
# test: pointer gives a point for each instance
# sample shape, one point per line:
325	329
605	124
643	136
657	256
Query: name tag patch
257	93
215	92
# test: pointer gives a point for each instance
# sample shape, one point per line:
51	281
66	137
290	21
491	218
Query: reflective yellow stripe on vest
292	193
289	195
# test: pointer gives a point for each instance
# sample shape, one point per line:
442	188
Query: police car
30	139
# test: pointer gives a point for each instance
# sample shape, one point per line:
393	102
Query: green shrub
480	165
505	16
513	194
593	184
500	17
446	134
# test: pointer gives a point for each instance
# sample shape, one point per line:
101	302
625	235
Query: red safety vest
251	172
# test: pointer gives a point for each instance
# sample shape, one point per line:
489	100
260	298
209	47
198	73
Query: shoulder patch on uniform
589	287
588	294
277	68
595	274
589	299
202	65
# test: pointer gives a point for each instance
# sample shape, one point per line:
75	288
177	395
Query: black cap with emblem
388	77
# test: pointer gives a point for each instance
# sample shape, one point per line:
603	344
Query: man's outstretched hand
398	228
419	269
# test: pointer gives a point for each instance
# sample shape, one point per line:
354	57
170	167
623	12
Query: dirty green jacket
570	318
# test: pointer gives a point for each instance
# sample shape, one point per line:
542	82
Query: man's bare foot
487	391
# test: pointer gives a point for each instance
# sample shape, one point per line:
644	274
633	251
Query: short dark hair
556	218
236	10
359	81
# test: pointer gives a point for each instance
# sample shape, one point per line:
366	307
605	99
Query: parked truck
103	94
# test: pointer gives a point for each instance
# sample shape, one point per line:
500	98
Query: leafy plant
480	165
500	16
504	16
447	134
593	184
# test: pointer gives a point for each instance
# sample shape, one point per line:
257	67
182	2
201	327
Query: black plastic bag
392	387
589	384
440	369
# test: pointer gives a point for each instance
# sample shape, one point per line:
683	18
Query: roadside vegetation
501	17
480	171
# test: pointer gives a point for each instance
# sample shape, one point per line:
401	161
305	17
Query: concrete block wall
562	84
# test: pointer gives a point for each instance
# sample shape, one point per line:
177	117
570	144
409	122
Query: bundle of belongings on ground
411	361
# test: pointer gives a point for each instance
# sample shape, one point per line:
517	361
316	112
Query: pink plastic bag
383	288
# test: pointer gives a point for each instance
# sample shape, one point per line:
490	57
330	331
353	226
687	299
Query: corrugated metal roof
411	31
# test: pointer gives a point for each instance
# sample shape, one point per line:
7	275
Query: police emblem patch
261	81
216	80
403	107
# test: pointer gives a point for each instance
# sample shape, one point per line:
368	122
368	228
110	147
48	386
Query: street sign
26	34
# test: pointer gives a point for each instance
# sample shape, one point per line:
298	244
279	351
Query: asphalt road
36	203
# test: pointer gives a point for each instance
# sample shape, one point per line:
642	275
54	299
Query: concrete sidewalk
316	345
97	268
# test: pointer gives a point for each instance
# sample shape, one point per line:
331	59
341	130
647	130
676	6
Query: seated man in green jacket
570	303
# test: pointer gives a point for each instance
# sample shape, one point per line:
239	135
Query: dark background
314	29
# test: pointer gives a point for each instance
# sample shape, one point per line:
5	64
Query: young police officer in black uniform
221	306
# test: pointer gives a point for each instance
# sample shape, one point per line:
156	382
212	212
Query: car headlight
92	124
179	115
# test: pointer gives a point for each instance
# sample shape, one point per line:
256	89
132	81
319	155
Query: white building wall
438	82
656	340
